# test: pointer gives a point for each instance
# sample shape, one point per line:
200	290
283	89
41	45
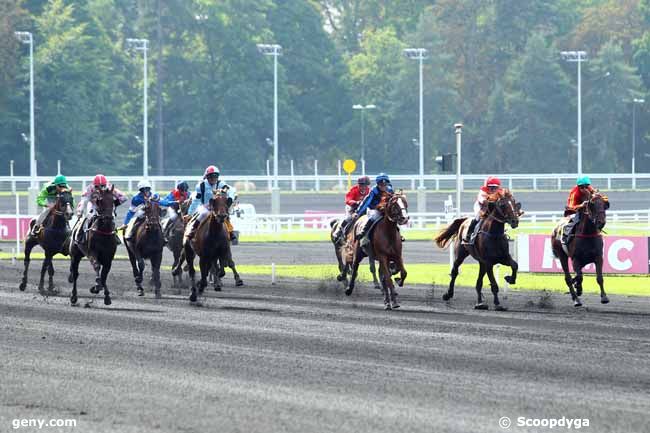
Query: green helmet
60	180
584	180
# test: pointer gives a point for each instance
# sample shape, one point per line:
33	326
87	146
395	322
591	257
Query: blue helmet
182	186
382	177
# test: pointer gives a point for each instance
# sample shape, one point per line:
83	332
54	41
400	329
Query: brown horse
99	245
585	248
174	238
211	243
385	247
489	248
147	243
52	238
339	251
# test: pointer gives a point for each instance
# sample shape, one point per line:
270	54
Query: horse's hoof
73	301
94	290
395	305
400	282
340	277
70	279
500	308
577	303
107	300
604	300
387	307
481	306
22	287
239	283
446	297
579	291
140	291
222	274
377	287
217	288
509	279
348	292
193	296
158	295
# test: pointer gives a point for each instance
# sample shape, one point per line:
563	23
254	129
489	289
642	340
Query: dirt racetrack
300	356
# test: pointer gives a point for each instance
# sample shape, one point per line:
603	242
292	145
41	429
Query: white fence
324	182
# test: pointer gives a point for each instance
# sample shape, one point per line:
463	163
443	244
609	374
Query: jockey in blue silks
200	206
374	202
137	204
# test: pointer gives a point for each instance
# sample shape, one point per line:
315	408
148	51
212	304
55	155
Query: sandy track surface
302	357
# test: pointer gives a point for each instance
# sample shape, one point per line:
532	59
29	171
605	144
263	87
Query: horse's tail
449	233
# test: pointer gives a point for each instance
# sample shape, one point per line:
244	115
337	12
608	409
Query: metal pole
317	183
363	138
275	120
145	133
633	142
579	118
32	141
459	130
421	130
293	178
58	166
11	173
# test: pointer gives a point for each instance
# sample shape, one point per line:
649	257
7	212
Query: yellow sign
349	166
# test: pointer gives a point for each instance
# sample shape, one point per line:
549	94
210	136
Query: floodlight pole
579	57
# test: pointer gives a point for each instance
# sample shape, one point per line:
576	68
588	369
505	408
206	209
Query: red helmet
100	180
211	170
492	181
363	180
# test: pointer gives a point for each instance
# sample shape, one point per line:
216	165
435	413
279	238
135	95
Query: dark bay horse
386	248
52	238
147	242
585	248
99	245
211	243
339	251
174	237
489	248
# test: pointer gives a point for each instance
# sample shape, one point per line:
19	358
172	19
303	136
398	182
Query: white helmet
143	184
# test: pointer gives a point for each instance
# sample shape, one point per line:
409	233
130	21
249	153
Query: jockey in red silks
578	196
175	198
353	199
100	183
492	185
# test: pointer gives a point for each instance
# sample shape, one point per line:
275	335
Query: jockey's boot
470	231
364	231
195	225
340	230
35	230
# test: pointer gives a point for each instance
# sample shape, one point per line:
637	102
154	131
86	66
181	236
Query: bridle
397	209
217	203
63	199
103	214
151	216
502	217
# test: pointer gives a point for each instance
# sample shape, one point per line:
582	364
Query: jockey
199	208
353	199
137	205
578	196
492	185
374	203
47	198
100	183
177	195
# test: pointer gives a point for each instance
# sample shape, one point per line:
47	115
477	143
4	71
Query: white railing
324	182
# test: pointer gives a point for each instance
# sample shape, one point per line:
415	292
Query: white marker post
17	225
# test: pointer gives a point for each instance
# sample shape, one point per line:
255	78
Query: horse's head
506	209
397	209
151	213
104	202
219	205
64	202
596	209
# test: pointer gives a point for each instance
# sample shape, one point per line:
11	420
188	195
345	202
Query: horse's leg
339	259
98	279
461	255
29	245
568	280
44	266
385	276
577	268
238	280
136	272
175	282
50	272
511	279
106	268
74	274
155	273
480	303
141	267
599	278
373	271
205	265
495	289
189	258
402	271
358	256
215	271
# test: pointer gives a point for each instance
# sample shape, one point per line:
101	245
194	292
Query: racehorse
52	238
585	248
175	242
338	250
385	247
211	243
147	242
489	248
98	244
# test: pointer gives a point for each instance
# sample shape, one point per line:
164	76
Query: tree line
493	65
